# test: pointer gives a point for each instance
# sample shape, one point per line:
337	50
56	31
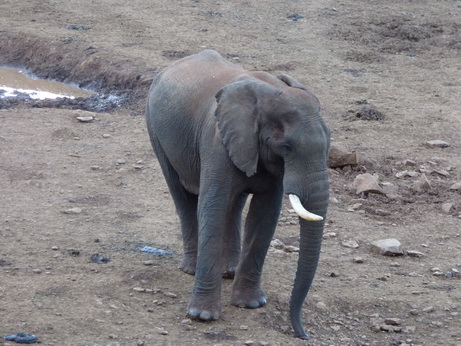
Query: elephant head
276	127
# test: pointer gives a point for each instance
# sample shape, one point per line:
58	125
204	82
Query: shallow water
13	81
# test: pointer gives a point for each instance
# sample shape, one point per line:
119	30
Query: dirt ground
388	75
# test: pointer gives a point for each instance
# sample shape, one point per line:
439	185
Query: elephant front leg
259	230
214	219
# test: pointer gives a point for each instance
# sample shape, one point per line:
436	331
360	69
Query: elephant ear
290	81
238	122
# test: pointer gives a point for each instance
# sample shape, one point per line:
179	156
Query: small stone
277	244
249	342
148	263
73	211
120	162
106	135
243	327
350	244
139	289
291	248
429	309
447	207
422	184
330	235
95	168
366	183
113	336
170	295
441	172
163	332
414	253
387	247
37	271
358	260
87	119
393	321
435	269
186	321
54	248
437	143
339	159
321	306
456	186
408	162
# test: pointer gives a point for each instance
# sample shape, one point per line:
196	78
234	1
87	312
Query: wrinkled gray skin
221	133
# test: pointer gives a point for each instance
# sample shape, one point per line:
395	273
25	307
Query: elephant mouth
301	211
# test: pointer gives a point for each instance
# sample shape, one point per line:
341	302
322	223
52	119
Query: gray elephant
221	133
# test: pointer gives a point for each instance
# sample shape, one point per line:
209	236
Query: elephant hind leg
231	254
186	208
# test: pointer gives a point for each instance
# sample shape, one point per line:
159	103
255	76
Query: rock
422	184
393	321
414	253
406	173
170	295
367	183
390	190
350	244
429	309
437	143
442	172
330	235
73	211
408	162
106	135
447	208
358	260
87	119
456	186
387	247
339	159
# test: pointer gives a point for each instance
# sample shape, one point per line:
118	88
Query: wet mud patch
116	83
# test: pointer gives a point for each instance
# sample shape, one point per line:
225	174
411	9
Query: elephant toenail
205	315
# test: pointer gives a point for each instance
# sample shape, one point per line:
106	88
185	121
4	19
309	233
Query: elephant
220	134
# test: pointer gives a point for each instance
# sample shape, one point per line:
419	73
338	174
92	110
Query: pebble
447	207
54	248
456	186
436	143
85	119
429	309
393	321
367	183
106	135
37	271
352	244
358	260
72	211
422	184
170	295
387	247
330	235
414	253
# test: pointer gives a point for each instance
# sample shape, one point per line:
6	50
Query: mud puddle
15	81
17	87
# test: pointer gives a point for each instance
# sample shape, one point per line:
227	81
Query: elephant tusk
299	209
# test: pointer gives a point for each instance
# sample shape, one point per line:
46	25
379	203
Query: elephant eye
285	149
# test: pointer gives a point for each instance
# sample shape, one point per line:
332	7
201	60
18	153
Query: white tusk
299	209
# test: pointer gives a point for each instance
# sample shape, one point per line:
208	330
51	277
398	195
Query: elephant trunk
311	233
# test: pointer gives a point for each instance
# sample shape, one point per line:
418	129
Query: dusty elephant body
221	133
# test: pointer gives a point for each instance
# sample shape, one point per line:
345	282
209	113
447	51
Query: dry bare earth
400	59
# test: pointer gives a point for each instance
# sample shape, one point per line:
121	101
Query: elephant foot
189	263
203	311
248	298
230	260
